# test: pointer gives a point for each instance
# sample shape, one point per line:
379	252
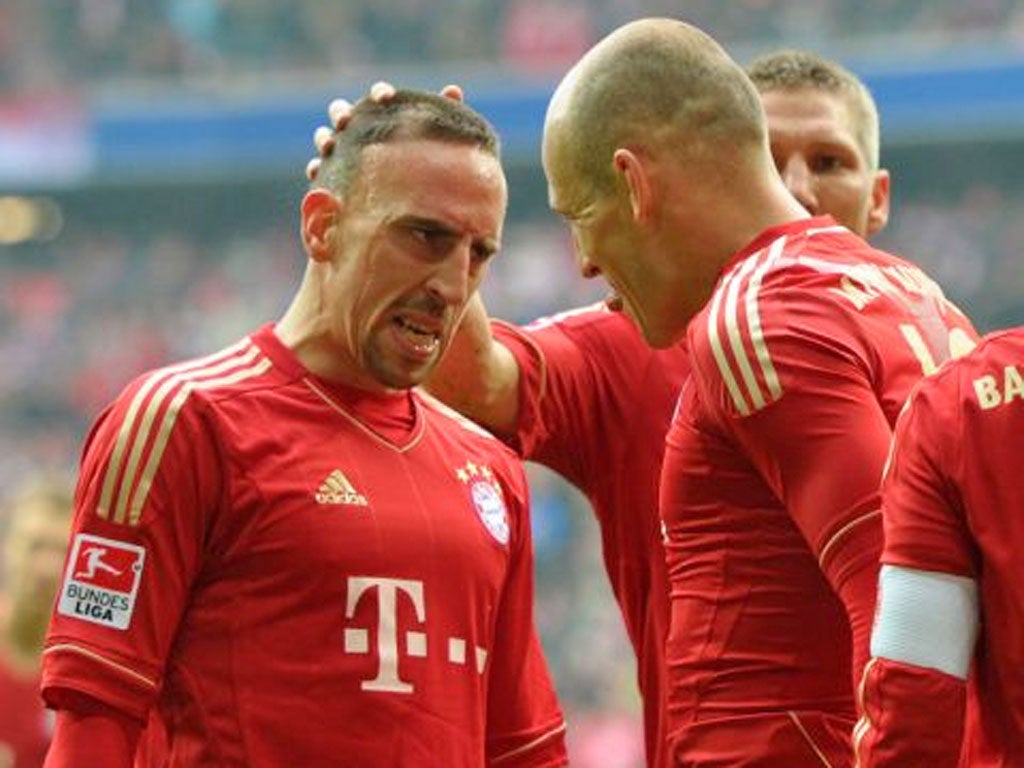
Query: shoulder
150	407
828	266
995	350
807	273
603	339
578	317
231	371
756	300
594	328
986	378
163	429
793	274
803	305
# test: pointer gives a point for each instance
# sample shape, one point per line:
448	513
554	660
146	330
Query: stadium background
151	162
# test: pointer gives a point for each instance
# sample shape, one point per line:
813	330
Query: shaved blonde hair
656	80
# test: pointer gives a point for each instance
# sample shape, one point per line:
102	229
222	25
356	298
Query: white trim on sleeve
927	619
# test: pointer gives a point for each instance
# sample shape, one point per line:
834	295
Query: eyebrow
490	244
425	222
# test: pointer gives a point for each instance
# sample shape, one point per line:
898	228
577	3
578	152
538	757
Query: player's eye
437	241
826	163
482	253
423	234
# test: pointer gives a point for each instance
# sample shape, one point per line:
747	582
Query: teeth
415	328
425	340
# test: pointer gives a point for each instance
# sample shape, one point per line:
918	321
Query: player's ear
320	213
631	170
878	213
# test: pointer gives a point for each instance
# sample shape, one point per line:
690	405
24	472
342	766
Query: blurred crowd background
101	39
151	156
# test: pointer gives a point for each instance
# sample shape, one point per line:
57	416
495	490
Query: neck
305	330
736	210
709	218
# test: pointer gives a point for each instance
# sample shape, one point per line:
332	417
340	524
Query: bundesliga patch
101	581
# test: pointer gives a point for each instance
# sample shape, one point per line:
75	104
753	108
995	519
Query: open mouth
423	340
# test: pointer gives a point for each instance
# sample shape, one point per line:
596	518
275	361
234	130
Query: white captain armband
927	619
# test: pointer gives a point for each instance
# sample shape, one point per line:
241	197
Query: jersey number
958	343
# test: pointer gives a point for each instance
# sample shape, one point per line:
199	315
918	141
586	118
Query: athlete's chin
404	374
396	364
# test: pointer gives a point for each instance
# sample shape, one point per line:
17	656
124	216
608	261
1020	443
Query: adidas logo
336	489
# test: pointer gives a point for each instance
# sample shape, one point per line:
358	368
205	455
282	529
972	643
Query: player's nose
797	176
451	279
586	267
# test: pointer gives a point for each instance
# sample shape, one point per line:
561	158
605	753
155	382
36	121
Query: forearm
912	696
92	735
911	717
851	566
478	376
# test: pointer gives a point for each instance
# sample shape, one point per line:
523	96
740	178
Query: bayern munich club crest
487	499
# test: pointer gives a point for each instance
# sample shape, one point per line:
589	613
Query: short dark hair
790	70
410	115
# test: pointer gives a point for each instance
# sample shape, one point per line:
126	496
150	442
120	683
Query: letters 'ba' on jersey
954	503
595	404
293	588
801	363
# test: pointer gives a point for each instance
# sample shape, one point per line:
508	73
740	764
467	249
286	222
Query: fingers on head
382	91
453	92
339	111
323	140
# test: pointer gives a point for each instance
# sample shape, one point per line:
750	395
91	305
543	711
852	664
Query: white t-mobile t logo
357	640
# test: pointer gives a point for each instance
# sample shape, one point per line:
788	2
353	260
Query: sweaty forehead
808	110
440	161
449	181
563	175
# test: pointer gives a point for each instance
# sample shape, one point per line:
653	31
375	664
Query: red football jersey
25	725
595	404
293	584
953	503
800	362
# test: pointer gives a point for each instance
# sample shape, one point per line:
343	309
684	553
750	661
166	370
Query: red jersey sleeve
88	734
910	717
925	525
788	375
557	391
584	372
531	350
525	726
924	529
148	483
